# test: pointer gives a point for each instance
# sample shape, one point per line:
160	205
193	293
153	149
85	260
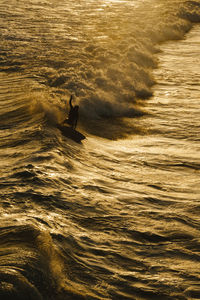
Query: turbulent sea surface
118	216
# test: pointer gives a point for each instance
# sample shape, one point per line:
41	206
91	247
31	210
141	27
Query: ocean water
117	216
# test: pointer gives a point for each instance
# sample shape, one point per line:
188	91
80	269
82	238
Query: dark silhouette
73	115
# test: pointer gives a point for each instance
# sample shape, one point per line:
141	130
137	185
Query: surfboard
71	133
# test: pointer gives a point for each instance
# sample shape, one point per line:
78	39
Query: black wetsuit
73	115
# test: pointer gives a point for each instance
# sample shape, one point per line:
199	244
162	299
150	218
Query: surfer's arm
70	102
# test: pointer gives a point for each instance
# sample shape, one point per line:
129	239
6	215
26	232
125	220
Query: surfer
73	114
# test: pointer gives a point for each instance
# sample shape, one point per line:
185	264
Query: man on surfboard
73	114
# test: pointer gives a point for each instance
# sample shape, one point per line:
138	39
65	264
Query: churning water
116	217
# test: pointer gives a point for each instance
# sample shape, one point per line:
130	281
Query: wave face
101	52
111	218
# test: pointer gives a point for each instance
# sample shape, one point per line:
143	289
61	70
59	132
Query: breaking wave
105	61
